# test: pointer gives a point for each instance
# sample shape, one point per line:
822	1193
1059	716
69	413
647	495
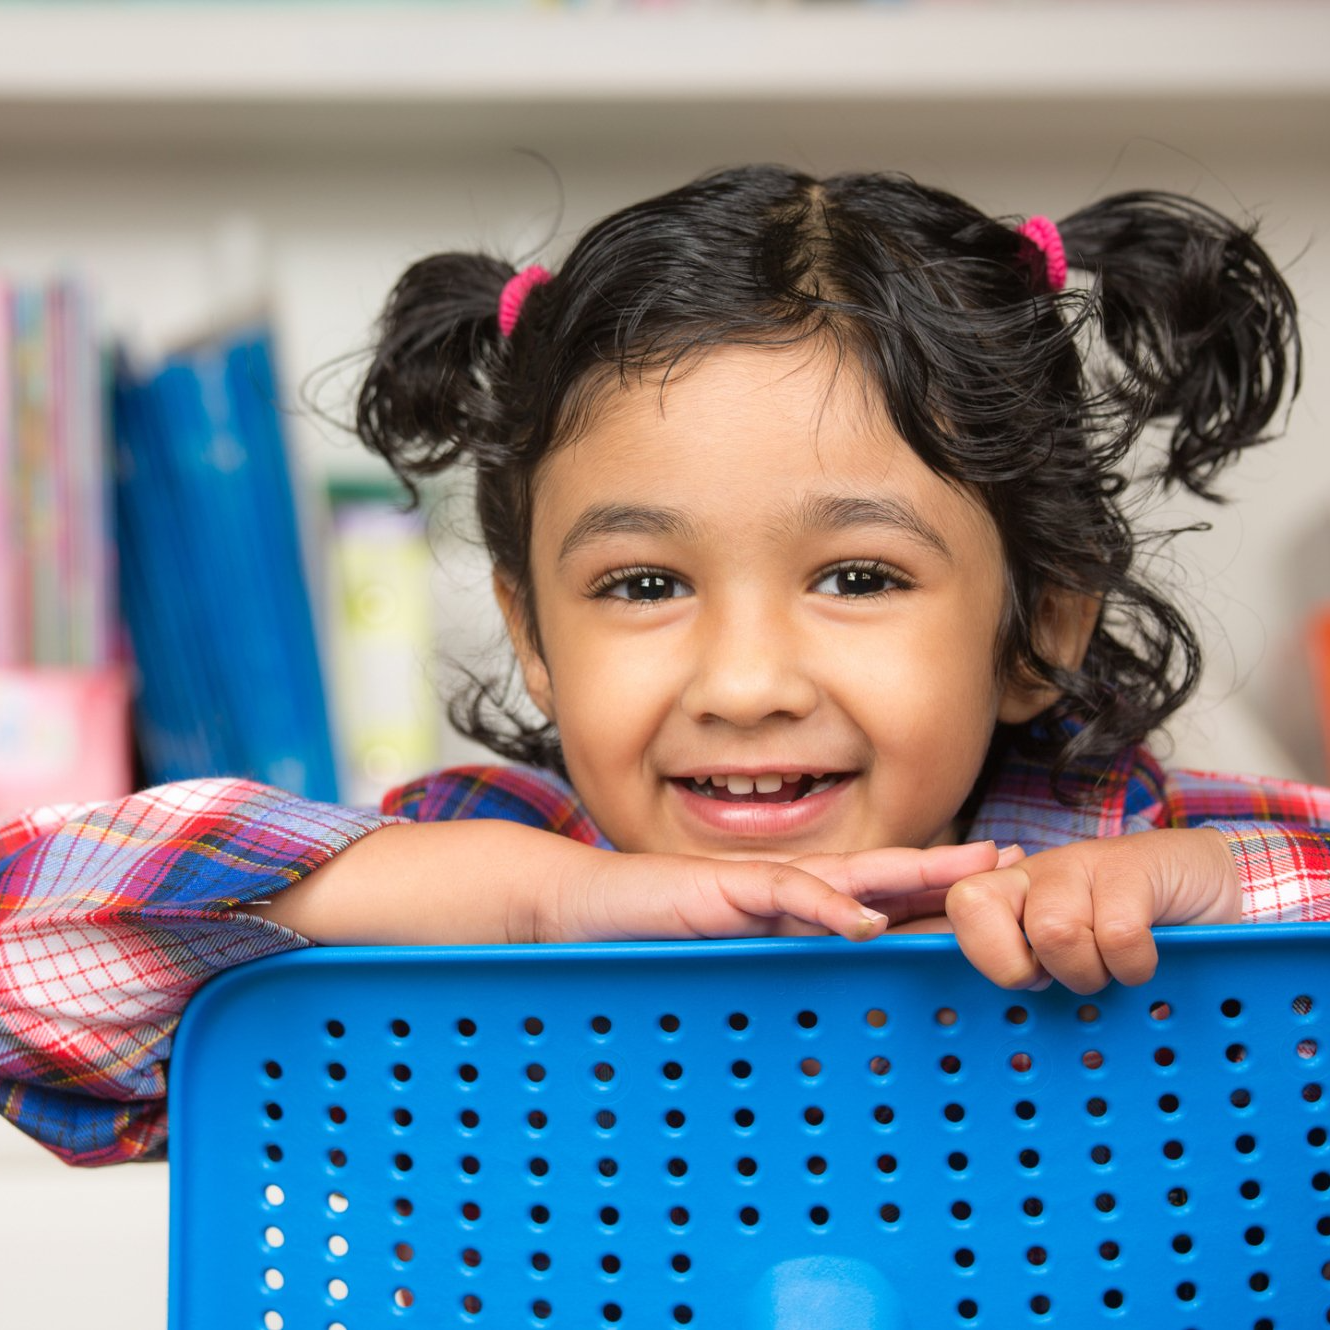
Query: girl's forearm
433	883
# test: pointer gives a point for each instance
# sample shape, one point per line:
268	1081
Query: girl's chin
748	824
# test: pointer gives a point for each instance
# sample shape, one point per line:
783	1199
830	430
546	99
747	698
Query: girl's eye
645	587
856	581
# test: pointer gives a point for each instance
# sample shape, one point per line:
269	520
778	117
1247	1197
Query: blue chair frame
753	1135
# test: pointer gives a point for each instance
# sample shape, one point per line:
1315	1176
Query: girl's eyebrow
819	512
836	512
610	519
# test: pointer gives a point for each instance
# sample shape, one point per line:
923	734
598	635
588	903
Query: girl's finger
773	890
886	872
1088	921
1122	919
986	913
917	905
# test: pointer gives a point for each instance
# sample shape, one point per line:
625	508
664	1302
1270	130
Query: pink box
64	736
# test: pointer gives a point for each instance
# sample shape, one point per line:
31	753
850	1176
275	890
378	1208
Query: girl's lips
757	817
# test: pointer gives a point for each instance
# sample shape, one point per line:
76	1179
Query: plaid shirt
112	915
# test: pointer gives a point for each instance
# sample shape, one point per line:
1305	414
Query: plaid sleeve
111	916
527	795
1278	832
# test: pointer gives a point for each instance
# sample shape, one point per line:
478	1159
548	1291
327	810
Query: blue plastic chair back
752	1135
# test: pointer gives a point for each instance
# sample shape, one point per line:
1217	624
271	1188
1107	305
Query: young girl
804	503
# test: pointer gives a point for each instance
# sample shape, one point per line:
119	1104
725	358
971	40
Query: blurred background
202	209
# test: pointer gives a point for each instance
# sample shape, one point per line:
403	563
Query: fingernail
1040	984
1009	854
871	915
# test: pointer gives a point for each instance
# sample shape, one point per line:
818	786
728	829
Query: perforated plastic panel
754	1134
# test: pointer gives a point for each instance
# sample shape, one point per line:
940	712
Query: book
64	727
215	595
383	634
64	736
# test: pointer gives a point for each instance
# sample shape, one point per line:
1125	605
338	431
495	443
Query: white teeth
769	782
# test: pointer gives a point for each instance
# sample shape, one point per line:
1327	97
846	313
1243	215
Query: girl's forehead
781	406
740	431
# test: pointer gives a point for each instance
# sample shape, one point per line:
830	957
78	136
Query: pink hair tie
514	294
1043	233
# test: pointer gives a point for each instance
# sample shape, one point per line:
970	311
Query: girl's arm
496	882
1277	831
111	916
1228	848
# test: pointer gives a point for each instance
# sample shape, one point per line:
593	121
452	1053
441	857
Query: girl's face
765	627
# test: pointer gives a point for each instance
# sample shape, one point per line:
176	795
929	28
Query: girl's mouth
768	788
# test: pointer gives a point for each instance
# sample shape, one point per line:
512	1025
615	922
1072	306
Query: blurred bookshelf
368	74
340	141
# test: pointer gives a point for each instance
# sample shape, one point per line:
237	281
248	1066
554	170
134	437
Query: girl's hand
678	896
439	883
1082	913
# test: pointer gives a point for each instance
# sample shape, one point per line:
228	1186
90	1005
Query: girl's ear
523	637
1064	623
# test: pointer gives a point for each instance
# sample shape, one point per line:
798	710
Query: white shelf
306	54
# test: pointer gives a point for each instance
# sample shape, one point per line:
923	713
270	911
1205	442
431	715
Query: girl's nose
748	667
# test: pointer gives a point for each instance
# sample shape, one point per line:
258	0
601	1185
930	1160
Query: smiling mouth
777	788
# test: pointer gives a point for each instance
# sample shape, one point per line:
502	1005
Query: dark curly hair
1031	398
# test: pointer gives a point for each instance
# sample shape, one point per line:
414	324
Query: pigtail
1202	323
456	369
433	391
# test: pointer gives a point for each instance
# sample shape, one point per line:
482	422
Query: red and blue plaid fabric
112	915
